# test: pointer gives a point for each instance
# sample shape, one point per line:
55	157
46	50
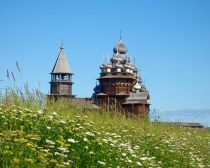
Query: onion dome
119	66
120	47
127	66
127	59
107	65
102	66
137	86
117	58
132	67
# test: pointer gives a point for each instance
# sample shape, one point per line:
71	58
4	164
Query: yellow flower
21	140
29	161
16	161
53	161
6	152
30	145
42	159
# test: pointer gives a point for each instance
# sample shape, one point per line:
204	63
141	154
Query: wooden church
120	85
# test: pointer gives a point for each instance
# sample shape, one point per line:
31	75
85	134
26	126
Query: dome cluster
121	65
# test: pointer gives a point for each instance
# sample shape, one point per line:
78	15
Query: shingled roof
137	98
61	65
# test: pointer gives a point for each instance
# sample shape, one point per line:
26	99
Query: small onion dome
127	66
132	67
117	58
107	65
137	86
120	47
127	60
119	66
102	66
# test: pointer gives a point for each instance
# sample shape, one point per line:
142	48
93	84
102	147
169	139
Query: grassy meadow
34	133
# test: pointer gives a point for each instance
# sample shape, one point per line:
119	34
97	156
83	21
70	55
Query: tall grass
37	133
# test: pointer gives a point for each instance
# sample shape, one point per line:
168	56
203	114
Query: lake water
194	116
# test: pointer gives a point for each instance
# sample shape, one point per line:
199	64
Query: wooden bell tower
61	78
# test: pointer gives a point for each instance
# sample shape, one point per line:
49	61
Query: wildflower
50	142
189	133
63	122
112	145
123	145
201	166
16	161
136	147
51	117
66	163
71	140
57	153
21	140
48	127
138	163
54	113
105	140
51	146
101	163
123	154
30	145
117	136
64	150
6	152
90	134
167	142
134	156
91	153
124	131
53	161
85	116
40	112
35	138
144	158
60	142
29	161
129	161
85	139
45	150
130	150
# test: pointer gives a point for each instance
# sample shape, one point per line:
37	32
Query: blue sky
170	41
